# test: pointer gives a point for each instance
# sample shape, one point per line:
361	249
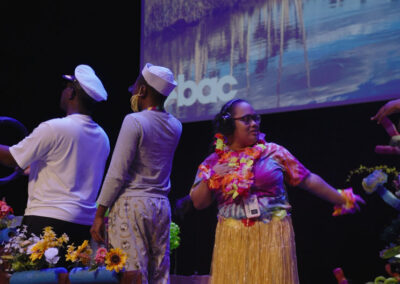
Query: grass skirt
260	253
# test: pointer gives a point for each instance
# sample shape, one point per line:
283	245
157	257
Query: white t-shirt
67	157
142	159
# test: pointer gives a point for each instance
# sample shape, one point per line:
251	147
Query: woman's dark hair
223	122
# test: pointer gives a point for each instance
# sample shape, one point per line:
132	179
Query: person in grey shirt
138	179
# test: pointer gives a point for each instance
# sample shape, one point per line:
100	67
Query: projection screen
280	55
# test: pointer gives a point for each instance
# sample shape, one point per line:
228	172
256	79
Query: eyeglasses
248	118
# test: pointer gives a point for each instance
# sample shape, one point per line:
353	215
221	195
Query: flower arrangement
113	259
6	215
22	253
33	253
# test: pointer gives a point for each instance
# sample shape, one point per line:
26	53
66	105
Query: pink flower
100	255
5	208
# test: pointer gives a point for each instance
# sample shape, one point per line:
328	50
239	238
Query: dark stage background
42	40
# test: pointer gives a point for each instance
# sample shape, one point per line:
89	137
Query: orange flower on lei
238	182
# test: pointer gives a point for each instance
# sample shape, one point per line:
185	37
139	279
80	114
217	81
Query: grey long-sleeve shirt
142	159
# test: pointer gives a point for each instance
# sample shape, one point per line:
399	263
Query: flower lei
238	181
349	206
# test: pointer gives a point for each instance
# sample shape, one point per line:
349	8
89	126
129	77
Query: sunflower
115	259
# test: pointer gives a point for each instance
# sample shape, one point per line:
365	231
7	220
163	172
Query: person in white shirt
67	158
138	179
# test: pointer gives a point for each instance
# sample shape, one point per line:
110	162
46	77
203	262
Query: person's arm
97	229
122	158
6	159
389	108
316	185
123	155
201	195
345	200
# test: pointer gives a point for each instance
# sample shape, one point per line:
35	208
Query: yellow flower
63	239
38	250
279	215
82	253
219	144
85	258
71	254
35	256
115	259
83	246
49	234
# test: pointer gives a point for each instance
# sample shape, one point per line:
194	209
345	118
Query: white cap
160	78
89	82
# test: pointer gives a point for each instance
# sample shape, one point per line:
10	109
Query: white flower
29	249
51	255
34	239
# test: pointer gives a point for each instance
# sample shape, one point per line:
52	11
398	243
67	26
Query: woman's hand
97	229
345	201
389	108
222	169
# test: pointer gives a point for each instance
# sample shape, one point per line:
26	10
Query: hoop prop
13	123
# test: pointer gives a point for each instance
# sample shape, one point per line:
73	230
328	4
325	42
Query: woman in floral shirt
254	240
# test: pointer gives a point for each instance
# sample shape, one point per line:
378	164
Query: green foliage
174	240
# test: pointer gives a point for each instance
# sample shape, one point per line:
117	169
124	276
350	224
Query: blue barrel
43	276
6	234
101	275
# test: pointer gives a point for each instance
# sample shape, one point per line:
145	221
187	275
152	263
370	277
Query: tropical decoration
383	175
351	203
238	182
174	239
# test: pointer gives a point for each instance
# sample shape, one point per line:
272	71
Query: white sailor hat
160	78
89	82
